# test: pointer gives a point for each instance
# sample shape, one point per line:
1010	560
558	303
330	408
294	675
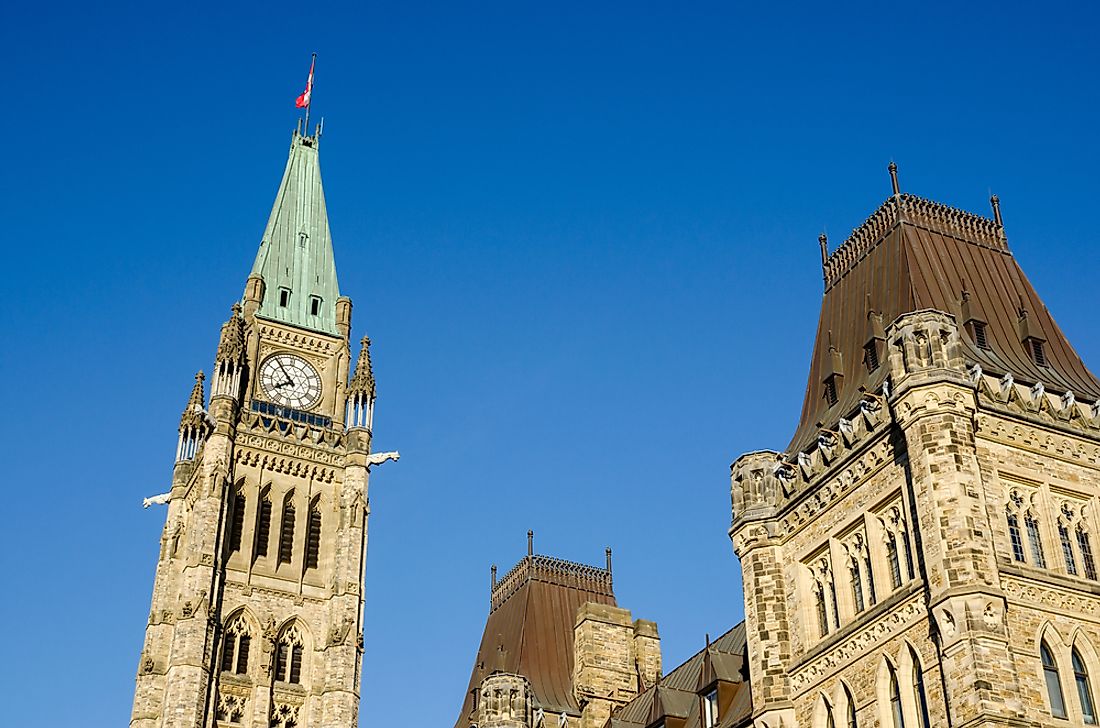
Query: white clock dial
290	380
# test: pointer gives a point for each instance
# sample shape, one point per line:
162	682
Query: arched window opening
857	587
1067	548
288	656
1084	545
870	578
1032	526
895	699
235	644
236	526
313	536
822	612
892	557
1084	690
920	697
909	562
286	533
263	524
1016	537
851	709
830	722
1054	684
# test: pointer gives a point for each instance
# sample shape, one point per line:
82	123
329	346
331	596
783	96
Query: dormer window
710	709
314	305
831	393
980	338
870	356
1038	351
284	297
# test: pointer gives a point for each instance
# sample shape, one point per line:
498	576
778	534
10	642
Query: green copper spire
295	258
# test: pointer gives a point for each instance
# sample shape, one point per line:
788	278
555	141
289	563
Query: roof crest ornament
894	178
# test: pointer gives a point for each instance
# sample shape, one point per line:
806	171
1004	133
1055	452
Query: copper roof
915	254
529	631
677	693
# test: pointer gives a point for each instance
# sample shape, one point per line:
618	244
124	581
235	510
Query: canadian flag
303	101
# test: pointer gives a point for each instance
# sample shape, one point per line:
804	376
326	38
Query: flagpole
312	66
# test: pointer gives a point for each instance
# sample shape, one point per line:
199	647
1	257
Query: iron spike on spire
995	202
530	542
894	178
607	553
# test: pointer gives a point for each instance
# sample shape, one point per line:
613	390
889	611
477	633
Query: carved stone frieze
859	644
292	461
1050	596
1038	440
297	340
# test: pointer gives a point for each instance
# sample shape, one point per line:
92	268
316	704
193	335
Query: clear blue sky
583	237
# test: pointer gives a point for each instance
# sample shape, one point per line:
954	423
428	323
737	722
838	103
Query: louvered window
286	533
236	527
1084	545
313	537
831	391
263	525
288	656
1067	548
871	356
1016	537
1038	352
980	337
235	643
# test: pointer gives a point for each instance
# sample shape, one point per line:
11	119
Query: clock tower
257	608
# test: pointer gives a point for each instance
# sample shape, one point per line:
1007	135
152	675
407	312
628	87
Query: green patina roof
296	251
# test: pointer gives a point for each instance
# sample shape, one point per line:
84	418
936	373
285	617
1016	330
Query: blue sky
583	237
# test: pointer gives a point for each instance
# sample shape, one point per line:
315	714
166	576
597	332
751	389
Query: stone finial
362	381
995	203
607	554
530	543
231	345
823	241
894	178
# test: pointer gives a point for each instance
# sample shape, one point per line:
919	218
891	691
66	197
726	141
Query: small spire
894	178
362	381
231	344
995	202
493	573
530	543
193	414
607	553
823	241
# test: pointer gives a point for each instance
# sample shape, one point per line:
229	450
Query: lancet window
899	552
235	645
920	697
236	523
288	655
313	535
1053	682
1084	689
824	591
263	523
286	531
860	573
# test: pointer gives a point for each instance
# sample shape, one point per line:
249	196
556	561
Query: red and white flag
303	101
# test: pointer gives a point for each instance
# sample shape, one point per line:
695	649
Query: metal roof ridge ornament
552	570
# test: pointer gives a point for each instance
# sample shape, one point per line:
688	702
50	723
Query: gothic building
257	606
923	552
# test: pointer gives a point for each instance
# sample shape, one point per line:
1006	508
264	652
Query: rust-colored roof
677	693
915	254
529	632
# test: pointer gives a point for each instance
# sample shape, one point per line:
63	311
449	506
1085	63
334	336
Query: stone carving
377	458
156	500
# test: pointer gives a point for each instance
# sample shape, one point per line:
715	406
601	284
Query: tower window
1016	537
235	647
1067	548
980	337
284	297
831	391
314	305
263	525
236	528
288	656
1084	544
313	536
1084	690
1037	555
892	557
286	533
1054	684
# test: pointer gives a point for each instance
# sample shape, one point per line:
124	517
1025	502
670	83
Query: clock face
290	380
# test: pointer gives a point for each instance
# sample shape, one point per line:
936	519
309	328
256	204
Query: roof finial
894	178
996	203
493	573
530	543
823	241
607	553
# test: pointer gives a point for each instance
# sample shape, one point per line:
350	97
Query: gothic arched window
1054	683
1084	690
1084	545
313	536
857	588
850	702
286	532
235	644
263	523
895	698
1016	537
1067	548
893	558
919	695
288	655
236	524
822	610
1032	526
